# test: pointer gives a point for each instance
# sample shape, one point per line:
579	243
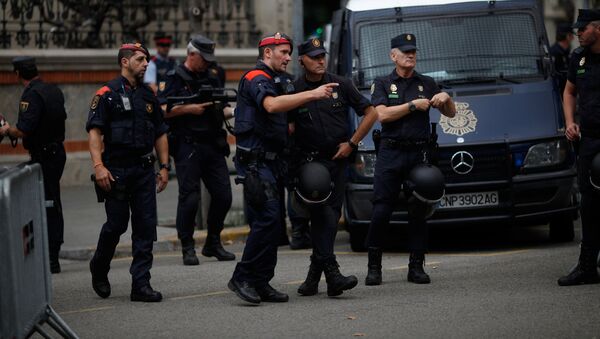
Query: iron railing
107	23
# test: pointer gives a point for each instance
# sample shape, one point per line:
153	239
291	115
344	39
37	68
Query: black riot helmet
314	183
595	172
426	183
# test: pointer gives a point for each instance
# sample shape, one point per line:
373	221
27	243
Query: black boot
416	273
145	294
189	253
311	285
300	235
585	272
100	282
336	282
213	248
374	267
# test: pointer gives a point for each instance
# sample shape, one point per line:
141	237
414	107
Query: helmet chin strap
312	202
423	199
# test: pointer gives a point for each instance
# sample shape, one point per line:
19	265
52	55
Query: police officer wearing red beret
582	93
403	100
125	123
321	135
41	125
261	130
160	64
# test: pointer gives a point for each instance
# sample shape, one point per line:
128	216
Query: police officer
561	51
199	146
125	123
321	135
261	130
582	91
41	125
402	100
160	64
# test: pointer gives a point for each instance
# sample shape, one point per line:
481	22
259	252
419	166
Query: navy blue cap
405	42
205	46
23	62
564	28
586	16
311	47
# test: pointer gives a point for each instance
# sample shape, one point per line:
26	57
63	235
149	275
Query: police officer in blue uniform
199	146
582	93
160	64
321	134
125	123
561	52
41	125
403	100
261	130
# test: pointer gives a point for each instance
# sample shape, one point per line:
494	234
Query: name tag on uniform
581	71
126	103
393	96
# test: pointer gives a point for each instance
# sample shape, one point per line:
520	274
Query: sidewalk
84	218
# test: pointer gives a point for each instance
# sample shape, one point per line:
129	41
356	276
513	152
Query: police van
504	154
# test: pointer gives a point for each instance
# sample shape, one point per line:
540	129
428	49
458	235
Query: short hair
124	53
28	72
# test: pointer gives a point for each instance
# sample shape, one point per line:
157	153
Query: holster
117	191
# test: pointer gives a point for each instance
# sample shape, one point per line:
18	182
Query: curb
166	244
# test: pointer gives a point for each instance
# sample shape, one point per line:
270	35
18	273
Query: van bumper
527	199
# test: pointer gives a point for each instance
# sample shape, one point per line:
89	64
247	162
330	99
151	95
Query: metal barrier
25	285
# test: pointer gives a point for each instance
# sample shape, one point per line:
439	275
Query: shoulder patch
23	105
103	90
253	74
95	101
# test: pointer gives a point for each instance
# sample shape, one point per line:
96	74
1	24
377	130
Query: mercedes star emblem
462	162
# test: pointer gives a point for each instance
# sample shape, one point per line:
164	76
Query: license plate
465	200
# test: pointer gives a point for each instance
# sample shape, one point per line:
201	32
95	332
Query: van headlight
545	154
365	164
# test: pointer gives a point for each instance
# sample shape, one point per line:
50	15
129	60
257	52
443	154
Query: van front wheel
562	228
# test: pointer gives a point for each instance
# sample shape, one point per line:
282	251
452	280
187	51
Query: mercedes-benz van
504	154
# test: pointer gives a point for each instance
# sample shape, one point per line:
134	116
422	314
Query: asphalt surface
486	282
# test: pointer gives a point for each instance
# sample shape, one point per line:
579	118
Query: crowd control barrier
25	280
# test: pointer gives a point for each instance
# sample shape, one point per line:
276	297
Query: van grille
490	162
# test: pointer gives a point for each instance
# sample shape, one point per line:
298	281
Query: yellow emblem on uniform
334	95
316	42
372	88
161	86
394	88
409	37
149	108
420	88
23	106
582	61
95	101
462	123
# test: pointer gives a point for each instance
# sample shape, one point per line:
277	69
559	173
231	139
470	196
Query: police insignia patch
95	101
161	86
420	88
463	122
214	71
316	43
582	61
409	37
394	88
149	108
23	106
334	95
372	89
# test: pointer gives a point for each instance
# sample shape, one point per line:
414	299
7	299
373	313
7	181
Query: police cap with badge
586	16
404	42
205	46
312	48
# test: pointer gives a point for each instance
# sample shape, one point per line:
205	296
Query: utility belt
312	155
247	156
146	161
406	144
41	150
198	138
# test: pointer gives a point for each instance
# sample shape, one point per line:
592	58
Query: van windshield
456	49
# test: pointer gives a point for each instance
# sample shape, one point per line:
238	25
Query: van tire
562	228
358	235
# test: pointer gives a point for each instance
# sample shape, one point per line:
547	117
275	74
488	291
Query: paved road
502	285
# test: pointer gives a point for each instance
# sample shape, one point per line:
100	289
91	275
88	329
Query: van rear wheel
562	228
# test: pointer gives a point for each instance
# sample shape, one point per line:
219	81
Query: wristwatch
165	166
411	106
352	144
